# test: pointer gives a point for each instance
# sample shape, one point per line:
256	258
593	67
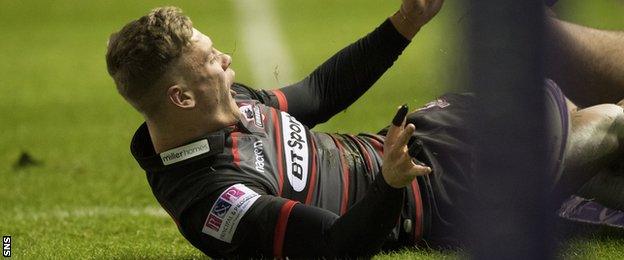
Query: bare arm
586	62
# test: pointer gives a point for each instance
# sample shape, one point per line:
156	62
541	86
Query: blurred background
68	184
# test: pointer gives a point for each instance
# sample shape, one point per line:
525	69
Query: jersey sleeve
344	77
240	221
339	81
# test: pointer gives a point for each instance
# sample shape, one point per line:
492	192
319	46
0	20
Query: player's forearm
403	26
365	227
587	63
359	232
346	76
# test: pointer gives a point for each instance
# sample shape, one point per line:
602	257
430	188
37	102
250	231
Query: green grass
89	199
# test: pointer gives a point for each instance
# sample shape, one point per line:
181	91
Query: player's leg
594	144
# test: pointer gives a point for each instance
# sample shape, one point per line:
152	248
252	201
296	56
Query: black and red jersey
330	171
268	186
272	161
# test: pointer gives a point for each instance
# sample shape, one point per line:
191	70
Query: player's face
212	77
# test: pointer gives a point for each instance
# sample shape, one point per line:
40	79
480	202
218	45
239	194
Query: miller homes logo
185	152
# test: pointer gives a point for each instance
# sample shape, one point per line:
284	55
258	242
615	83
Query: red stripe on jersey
235	153
345	177
312	184
418	226
278	141
376	144
281	100
280	228
367	157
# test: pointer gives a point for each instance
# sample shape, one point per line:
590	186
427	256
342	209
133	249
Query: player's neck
172	131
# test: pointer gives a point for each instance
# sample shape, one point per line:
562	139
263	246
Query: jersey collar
143	150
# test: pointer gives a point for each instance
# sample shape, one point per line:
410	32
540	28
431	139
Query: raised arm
587	63
344	77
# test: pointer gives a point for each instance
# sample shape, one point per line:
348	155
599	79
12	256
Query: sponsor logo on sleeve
227	212
185	152
295	151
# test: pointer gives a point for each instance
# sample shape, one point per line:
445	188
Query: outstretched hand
420	12
413	14
399	170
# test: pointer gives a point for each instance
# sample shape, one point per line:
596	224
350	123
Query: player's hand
420	12
399	170
413	14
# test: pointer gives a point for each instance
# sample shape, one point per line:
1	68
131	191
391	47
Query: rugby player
241	174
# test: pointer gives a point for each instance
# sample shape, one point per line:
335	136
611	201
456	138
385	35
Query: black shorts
442	128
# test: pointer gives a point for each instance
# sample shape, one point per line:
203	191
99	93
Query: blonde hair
139	55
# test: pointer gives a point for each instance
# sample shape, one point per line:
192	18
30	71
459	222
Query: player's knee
597	132
616	109
608	114
604	122
612	122
614	113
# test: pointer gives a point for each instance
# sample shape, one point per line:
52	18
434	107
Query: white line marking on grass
263	43
59	213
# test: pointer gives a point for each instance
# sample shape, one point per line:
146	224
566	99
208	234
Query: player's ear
181	97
